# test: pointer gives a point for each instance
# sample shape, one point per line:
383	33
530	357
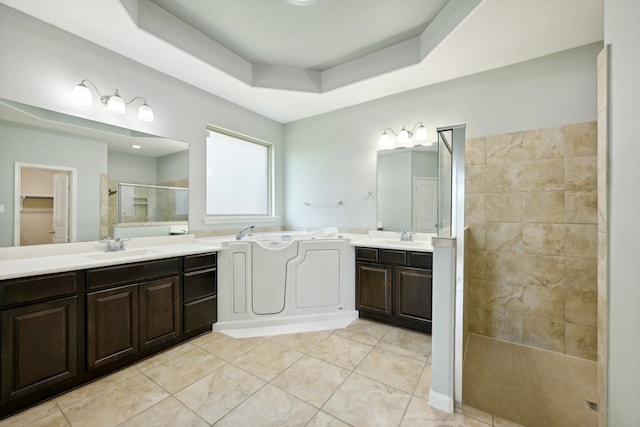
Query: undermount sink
121	254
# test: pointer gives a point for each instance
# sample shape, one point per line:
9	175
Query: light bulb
385	141
421	133
115	104
145	113
403	136
82	95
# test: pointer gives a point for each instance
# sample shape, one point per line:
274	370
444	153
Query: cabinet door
412	299
39	347
373	288
159	311
112	325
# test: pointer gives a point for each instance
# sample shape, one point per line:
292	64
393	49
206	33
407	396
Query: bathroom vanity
62	329
394	281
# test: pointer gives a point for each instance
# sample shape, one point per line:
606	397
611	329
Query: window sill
238	219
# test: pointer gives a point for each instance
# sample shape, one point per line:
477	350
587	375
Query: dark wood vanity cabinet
39	332
200	292
124	319
58	331
395	286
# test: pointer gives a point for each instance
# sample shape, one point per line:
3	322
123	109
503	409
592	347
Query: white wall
622	32
333	156
40	65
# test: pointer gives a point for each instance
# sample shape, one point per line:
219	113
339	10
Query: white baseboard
441	401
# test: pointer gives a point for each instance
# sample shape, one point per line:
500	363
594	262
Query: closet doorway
44	205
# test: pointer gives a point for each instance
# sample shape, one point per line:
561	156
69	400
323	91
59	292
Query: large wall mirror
407	185
66	179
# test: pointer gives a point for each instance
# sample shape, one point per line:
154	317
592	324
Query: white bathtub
285	282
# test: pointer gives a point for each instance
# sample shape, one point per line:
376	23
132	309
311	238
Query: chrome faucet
406	236
114	245
243	232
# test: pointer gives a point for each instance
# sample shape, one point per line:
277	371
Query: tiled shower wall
531	209
603	237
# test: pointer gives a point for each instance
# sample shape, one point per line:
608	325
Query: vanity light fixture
81	94
403	138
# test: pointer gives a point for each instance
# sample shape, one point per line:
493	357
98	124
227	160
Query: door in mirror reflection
425	200
43	209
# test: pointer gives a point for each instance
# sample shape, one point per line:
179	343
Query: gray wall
333	156
170	168
133	169
40	65
32	145
622	32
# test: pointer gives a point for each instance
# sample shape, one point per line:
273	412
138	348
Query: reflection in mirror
407	189
96	158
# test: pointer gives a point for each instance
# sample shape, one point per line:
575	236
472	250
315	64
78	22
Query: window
238	176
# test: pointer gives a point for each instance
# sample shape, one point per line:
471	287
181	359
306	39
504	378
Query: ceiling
290	62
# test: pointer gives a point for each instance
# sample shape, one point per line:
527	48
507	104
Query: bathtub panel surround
96	313
298	279
533	244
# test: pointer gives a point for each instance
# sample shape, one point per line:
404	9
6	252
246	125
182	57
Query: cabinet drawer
389	256
421	259
366	254
197	262
17	291
199	284
200	313
111	276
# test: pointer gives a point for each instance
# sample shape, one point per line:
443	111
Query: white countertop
27	261
391	240
24	261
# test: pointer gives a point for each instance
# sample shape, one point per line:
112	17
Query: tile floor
367	374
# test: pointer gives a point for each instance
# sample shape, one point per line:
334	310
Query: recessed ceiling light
136	146
301	2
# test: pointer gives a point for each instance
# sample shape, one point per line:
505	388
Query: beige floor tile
311	380
424	383
302	342
406	343
219	392
167	413
52	420
228	348
341	351
267	360
419	414
205	338
322	419
185	369
269	407
31	415
363	402
364	331
160	358
119	403
391	369
458	420
97	386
